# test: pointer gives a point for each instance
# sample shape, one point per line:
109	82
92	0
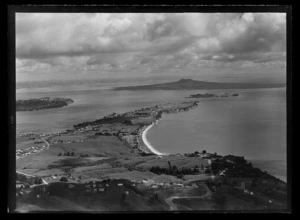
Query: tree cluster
173	170
66	154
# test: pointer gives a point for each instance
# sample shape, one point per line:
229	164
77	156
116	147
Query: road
173	206
47	143
25	174
28	175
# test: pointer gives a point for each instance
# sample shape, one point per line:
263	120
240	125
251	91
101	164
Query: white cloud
79	41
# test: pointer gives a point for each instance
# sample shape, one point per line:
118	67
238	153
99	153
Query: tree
174	169
68	154
204	151
38	181
195	169
64	179
59	154
72	154
169	165
219	199
207	171
180	176
123	197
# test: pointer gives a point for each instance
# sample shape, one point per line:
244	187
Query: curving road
28	175
173	206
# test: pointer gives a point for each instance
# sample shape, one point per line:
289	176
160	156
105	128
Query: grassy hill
189	84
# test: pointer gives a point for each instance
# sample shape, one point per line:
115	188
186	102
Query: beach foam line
146	142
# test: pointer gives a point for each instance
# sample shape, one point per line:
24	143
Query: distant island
189	84
41	103
209	95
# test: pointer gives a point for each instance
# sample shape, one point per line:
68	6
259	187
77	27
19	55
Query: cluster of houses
184	109
154	185
22	190
20	153
67	141
135	142
27	134
93	187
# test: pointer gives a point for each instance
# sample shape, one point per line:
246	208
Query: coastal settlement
107	158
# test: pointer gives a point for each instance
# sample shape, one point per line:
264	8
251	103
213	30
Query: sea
252	124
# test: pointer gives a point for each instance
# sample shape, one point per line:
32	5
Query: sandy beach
146	142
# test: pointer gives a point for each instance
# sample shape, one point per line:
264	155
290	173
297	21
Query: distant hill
189	84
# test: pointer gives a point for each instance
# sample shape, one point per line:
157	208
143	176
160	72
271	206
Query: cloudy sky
220	46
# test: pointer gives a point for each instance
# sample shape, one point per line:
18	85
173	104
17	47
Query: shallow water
252	125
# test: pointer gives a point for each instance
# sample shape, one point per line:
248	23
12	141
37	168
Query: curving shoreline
147	143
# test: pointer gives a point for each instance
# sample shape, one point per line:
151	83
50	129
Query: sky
208	46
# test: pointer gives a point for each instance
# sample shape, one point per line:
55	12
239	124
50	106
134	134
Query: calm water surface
252	125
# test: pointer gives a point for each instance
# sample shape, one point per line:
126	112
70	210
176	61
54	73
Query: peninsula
189	84
105	165
210	95
41	103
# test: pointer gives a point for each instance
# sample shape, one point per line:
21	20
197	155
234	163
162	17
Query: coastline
147	143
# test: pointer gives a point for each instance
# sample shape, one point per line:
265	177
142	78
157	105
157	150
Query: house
19	186
222	173
229	161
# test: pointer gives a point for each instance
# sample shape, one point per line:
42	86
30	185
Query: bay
252	125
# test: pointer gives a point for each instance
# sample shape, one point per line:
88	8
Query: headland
108	165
